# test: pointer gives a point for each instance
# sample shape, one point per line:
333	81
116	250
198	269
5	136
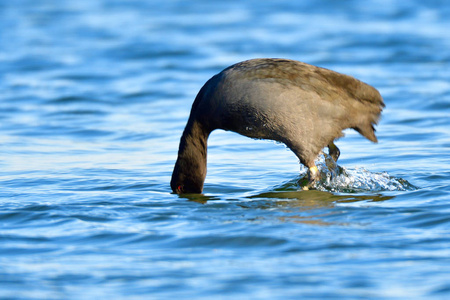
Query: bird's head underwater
186	182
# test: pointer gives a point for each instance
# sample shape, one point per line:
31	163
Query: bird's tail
371	106
368	131
368	118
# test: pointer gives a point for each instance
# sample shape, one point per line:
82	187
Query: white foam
340	179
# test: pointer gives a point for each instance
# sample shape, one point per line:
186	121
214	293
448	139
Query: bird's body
300	105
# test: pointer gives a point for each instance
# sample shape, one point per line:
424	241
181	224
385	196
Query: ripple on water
236	241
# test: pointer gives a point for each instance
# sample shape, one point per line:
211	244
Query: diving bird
301	105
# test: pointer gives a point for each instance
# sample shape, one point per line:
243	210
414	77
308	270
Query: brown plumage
300	105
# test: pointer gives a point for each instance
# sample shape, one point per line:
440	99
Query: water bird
303	106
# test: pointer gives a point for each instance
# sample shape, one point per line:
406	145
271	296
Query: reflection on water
294	204
199	198
316	198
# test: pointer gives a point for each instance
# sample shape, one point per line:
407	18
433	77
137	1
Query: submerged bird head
186	178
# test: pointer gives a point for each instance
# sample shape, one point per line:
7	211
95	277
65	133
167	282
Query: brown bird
303	106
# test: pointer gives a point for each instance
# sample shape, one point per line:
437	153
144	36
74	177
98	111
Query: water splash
334	178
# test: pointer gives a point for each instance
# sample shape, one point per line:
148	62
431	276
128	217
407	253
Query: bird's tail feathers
368	131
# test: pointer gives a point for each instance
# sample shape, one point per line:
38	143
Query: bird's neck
193	143
190	167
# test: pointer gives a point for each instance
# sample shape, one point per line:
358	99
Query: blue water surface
94	96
